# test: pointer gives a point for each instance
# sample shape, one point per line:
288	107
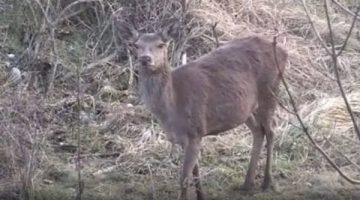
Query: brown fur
231	85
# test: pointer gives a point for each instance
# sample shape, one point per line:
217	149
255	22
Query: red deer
232	85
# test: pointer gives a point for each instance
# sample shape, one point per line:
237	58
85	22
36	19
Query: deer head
151	49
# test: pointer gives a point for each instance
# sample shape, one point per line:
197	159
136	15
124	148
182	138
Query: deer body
231	85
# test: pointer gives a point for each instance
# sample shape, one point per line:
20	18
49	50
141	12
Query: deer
234	84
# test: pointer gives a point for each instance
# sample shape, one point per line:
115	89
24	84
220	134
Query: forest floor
124	152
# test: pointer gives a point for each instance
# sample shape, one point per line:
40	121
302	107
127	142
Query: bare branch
93	155
184	8
132	70
80	188
51	27
33	13
101	61
55	57
279	102
343	155
153	190
43	11
314	28
350	31
336	69
213	27
204	36
62	16
333	51
304	128
346	9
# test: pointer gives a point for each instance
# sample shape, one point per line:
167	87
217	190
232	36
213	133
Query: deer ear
172	30
127	32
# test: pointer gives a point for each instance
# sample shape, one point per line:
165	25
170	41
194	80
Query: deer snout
145	60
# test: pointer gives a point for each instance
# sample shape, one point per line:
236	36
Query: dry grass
124	151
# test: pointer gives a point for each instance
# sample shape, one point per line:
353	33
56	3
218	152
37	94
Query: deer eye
160	46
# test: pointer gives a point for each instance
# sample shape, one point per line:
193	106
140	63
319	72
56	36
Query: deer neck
157	92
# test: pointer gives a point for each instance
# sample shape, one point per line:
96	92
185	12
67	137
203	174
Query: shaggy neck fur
157	92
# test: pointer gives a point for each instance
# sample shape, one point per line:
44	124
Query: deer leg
196	176
258	138
267	110
269	148
192	149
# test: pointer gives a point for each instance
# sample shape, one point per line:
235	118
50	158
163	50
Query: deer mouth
146	63
148	66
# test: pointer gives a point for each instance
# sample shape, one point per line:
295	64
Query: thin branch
349	33
33	13
314	28
55	57
62	16
343	155
80	185
43	11
131	69
336	69
153	190
204	36
92	155
213	27
51	26
280	103
184	8
346	9
101	61
304	128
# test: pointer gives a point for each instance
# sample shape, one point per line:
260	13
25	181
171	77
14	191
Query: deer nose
145	60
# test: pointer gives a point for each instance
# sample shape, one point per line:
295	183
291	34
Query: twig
100	155
280	103
33	13
346	9
213	40
294	125
43	11
304	128
213	27
343	155
55	57
184	7
335	63
92	155
51	26
62	16
101	61
314	28
28	184
153	191
131	66
80	185
349	33
180	50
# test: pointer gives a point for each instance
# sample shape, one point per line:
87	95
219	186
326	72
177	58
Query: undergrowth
124	152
